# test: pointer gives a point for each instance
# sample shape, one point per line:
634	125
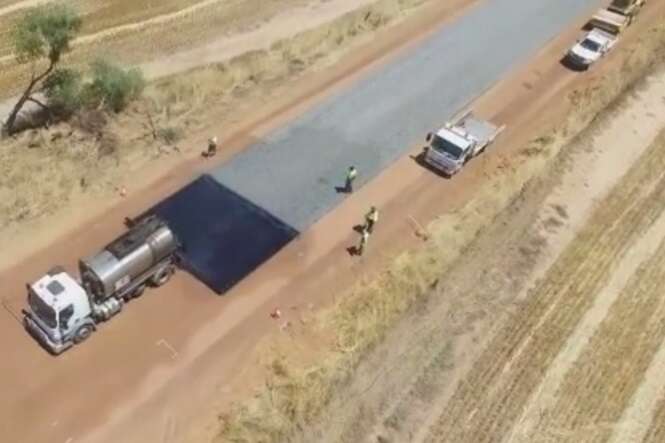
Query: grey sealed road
293	172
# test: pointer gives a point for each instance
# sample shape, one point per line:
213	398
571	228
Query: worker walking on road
351	175
364	238
370	219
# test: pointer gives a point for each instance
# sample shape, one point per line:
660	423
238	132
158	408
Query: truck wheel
136	293
162	276
82	333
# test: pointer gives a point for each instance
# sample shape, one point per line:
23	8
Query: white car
591	48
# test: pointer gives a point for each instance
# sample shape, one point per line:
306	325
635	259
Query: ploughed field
588	333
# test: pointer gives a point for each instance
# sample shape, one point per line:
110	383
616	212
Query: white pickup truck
458	141
595	45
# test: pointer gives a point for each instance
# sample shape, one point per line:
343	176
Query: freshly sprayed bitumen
288	181
223	236
293	172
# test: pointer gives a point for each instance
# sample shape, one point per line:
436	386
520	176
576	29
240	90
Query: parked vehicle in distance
458	141
595	44
609	21
628	8
63	311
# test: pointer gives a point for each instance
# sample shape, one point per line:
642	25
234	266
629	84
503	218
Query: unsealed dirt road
144	376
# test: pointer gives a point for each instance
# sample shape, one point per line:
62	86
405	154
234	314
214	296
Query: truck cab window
65	315
42	310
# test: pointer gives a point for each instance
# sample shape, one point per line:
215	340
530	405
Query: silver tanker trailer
63	311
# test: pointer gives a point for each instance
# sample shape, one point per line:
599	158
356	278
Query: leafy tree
62	89
113	87
44	34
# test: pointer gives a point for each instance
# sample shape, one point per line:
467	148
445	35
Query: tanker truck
63	310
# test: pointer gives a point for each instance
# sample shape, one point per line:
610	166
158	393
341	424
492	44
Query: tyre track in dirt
134	27
512	365
656	431
598	388
17	6
637	418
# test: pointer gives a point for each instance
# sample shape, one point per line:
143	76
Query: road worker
370	219
364	238
351	175
212	147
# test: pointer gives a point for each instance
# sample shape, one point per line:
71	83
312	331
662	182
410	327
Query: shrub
169	135
63	90
113	87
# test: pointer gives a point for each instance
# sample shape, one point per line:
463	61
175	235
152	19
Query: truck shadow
420	160
566	63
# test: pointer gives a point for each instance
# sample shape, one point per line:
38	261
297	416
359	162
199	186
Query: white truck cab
457	142
63	311
60	312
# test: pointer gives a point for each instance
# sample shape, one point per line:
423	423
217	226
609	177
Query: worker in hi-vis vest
351	175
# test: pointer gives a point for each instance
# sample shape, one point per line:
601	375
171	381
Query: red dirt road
146	375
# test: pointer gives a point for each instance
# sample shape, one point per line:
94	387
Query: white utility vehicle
610	21
63	311
629	8
595	44
458	141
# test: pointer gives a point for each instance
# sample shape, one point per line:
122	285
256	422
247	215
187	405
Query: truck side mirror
428	138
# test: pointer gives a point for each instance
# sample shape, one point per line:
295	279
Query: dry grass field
137	31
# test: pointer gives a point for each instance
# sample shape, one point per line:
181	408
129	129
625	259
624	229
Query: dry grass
296	394
131	46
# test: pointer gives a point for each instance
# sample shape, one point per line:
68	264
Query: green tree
111	86
41	38
62	89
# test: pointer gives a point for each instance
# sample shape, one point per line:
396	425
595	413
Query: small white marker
174	353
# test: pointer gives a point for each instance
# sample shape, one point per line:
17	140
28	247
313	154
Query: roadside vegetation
41	39
295	394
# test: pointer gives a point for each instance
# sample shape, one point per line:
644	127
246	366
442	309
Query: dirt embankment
409	342
86	162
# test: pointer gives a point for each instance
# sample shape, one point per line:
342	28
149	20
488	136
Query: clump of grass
169	135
